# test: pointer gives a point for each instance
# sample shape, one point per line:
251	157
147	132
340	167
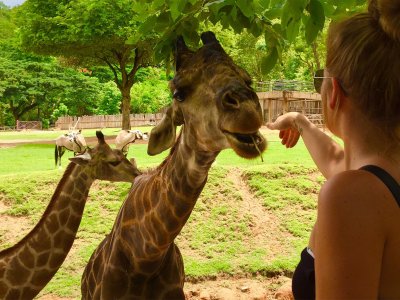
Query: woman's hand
326	153
289	128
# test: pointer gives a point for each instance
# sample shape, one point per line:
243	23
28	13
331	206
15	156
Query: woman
355	242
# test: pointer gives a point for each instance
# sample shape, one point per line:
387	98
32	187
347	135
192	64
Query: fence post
285	102
269	110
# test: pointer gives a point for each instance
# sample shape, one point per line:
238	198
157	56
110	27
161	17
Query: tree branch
136	65
113	70
28	108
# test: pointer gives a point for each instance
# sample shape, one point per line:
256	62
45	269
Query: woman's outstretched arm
327	154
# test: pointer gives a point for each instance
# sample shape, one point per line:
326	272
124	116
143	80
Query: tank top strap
386	178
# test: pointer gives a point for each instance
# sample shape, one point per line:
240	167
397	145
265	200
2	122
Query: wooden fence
106	121
276	103
7	128
25	125
273	104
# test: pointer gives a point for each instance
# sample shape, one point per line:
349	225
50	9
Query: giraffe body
217	108
28	266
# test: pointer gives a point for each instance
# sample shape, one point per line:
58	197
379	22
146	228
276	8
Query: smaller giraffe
28	266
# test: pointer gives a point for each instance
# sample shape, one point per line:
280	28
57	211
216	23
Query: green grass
40	157
223	234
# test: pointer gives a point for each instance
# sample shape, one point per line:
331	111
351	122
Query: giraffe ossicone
27	267
218	109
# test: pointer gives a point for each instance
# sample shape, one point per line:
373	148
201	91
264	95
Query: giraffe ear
208	38
162	136
82	159
182	52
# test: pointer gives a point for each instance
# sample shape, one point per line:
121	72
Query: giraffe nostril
230	102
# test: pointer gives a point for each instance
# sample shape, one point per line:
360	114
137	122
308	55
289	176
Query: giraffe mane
167	159
173	149
56	194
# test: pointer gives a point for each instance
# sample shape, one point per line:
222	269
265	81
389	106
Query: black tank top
303	281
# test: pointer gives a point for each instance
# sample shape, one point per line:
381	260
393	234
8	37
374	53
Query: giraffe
28	266
218	109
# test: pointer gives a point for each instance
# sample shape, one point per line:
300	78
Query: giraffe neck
29	265
164	201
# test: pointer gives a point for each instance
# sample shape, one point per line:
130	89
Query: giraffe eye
178	95
115	163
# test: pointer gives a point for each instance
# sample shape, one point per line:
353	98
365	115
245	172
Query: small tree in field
90	32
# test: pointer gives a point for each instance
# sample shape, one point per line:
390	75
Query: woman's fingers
289	137
293	139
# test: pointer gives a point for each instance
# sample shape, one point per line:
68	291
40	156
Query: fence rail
7	128
276	103
106	121
22	125
284	85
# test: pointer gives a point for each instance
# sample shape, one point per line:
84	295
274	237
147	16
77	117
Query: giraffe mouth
248	145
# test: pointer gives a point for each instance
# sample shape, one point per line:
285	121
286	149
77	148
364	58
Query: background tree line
88	57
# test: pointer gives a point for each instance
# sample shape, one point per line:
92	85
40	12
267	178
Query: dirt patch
12	229
222	288
52	297
238	289
264	225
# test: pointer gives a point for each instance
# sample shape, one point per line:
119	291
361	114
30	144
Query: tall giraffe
28	266
218	109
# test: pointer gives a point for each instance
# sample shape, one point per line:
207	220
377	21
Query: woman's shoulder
352	191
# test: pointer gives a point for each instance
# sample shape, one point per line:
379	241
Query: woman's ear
337	94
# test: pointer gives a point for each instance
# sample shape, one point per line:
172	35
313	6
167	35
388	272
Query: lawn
252	217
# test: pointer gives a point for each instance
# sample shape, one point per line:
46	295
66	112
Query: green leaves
291	17
176	8
315	22
246	8
269	61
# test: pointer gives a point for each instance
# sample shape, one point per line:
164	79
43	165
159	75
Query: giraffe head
214	101
104	163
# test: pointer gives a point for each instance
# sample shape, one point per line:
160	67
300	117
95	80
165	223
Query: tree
151	93
30	83
90	32
7	27
278	21
122	34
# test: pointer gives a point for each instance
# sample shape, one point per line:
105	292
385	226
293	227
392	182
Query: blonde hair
364	54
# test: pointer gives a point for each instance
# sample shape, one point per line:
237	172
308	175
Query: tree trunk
316	56
126	81
126	107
